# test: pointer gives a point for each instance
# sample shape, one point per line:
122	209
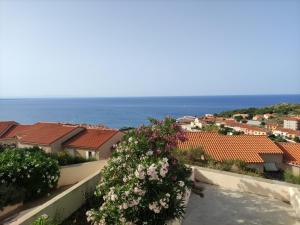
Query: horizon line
148	96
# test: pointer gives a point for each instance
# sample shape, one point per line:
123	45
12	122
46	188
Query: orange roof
39	133
5	125
293	118
90	138
255	128
289	131
222	147
291	152
244	126
16	131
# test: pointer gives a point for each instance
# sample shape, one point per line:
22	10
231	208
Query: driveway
225	207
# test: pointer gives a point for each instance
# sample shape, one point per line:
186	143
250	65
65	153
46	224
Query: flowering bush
143	183
29	169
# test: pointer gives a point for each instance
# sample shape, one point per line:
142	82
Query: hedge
30	170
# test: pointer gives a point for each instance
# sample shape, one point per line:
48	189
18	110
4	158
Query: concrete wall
72	174
295	169
106	149
63	205
260	186
270	188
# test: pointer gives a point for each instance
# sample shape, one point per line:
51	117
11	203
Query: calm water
119	112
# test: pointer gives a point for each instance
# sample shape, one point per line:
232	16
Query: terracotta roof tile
291	152
39	133
16	130
90	138
222	147
5	125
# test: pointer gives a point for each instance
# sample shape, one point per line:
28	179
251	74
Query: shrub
6	146
65	158
290	177
30	169
297	139
197	156
277	138
43	220
143	183
10	195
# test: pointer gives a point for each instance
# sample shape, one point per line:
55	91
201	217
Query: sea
118	112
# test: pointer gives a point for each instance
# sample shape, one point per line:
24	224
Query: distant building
185	119
258	152
267	115
292	123
243	115
253	122
197	123
93	143
258	117
288	133
271	126
245	128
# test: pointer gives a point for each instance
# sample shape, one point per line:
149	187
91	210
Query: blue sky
148	48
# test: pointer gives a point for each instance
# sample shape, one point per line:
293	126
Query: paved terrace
225	207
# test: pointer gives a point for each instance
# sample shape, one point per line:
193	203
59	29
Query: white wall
260	186
280	190
72	174
64	204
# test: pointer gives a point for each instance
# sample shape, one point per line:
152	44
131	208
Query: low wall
63	205
72	174
260	186
271	188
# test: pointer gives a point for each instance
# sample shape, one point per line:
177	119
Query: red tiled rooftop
39	133
222	147
5	125
90	138
16	131
289	131
244	126
291	152
293	118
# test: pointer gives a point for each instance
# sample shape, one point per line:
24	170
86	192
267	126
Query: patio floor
220	206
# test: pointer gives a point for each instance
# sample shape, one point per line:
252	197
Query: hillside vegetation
282	109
